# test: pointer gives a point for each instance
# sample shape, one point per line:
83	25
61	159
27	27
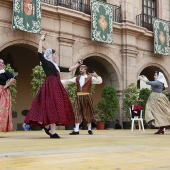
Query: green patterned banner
102	21
27	15
161	36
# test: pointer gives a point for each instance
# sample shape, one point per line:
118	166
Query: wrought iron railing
145	21
83	6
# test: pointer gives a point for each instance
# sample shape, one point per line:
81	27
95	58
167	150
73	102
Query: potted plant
38	77
12	88
107	107
100	115
131	94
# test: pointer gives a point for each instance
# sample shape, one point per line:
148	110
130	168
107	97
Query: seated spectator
117	124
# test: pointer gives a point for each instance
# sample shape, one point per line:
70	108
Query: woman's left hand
80	62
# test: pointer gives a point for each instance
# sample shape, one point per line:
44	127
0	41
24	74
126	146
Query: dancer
83	102
5	99
157	110
51	106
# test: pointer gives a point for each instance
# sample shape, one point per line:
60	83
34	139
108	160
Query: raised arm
143	78
80	62
40	43
69	81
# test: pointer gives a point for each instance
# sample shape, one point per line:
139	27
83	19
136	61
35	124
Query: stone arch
159	68
156	65
104	56
16	38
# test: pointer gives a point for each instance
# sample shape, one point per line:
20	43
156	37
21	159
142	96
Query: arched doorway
22	58
150	70
104	69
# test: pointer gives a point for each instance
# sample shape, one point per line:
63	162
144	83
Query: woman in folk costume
5	99
157	110
83	105
51	106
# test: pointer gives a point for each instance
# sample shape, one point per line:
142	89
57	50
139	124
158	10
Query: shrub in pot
107	107
12	88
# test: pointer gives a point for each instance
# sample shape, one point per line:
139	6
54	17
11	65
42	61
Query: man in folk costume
83	106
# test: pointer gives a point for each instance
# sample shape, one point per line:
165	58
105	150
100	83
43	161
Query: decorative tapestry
101	21
161	36
27	15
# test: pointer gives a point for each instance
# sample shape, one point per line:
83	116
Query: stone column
129	66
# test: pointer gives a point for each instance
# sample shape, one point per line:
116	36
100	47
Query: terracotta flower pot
100	125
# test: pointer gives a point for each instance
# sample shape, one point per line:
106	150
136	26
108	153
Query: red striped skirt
83	109
5	110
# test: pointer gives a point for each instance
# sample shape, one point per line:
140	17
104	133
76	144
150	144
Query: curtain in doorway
27	15
101	21
161	36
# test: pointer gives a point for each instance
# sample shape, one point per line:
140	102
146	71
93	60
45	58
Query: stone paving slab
105	150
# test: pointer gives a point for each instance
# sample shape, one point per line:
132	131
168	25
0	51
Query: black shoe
74	133
55	135
47	131
90	132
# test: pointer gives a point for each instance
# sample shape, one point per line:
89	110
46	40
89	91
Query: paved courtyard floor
105	150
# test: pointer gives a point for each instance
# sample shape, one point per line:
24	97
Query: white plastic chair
139	119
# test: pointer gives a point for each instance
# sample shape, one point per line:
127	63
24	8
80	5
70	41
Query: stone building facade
69	33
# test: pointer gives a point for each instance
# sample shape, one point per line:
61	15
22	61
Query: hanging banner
101	21
161	36
27	15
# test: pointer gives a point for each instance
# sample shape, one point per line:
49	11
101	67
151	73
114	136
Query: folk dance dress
157	106
5	102
83	105
51	104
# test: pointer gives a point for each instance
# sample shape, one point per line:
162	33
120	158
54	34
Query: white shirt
95	80
2	71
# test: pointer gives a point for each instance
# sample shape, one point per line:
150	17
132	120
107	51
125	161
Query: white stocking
53	126
76	129
89	126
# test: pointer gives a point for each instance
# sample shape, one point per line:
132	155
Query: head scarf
48	56
161	78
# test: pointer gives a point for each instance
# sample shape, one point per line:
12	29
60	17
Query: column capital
130	52
66	41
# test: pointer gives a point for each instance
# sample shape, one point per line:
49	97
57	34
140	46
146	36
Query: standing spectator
5	98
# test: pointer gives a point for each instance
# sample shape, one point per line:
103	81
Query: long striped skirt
5	110
51	105
158	108
83	109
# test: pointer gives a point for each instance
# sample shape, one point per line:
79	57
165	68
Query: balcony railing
84	7
145	21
